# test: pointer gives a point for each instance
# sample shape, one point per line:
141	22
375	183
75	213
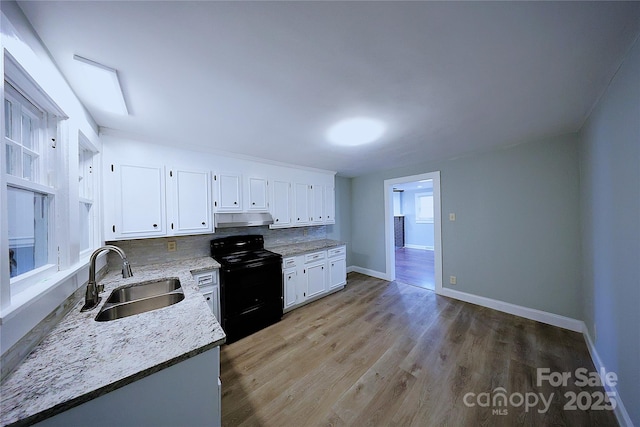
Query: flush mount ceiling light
356	131
101	86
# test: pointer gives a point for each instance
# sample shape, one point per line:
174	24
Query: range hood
244	219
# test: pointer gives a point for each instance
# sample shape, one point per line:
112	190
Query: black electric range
250	284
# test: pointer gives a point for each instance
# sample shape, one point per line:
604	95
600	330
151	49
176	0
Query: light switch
171	246
452	216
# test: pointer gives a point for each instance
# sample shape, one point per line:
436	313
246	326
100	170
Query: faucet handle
99	288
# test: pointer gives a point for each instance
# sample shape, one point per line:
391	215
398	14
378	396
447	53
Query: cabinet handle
235	203
253	203
277	220
298	219
203	223
155	225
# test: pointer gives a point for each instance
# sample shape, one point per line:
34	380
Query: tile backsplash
153	251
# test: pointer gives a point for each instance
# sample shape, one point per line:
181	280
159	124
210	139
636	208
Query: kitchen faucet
91	298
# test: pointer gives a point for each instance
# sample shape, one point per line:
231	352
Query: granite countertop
305	247
81	359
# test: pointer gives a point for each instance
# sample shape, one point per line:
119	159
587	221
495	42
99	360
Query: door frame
437	225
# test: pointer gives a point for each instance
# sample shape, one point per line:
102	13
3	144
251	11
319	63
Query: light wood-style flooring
384	353
415	267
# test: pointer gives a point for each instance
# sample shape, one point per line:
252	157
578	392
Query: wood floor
415	267
384	353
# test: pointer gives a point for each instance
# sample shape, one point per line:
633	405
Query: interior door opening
413	230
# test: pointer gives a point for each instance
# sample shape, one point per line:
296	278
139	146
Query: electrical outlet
452	216
453	280
172	246
305	231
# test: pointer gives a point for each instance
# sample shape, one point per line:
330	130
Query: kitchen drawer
206	278
336	252
315	256
288	262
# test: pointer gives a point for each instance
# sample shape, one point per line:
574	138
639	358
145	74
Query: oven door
251	298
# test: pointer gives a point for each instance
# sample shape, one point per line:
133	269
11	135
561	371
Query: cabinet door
317	204
301	204
337	272
212	296
329	205
281	205
139	201
258	194
191	202
316	279
290	281
229	197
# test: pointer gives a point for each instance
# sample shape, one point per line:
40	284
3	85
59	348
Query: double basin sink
140	298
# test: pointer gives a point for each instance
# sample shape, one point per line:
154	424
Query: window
29	197
424	208
86	184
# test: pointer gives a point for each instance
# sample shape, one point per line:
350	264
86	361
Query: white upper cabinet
316	205
154	201
301	205
138	193
145	196
191	200
281	204
229	192
258	194
329	205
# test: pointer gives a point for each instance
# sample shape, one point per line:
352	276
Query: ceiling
267	79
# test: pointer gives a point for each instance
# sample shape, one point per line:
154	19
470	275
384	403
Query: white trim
518	310
437	226
22	81
421	247
620	411
367	272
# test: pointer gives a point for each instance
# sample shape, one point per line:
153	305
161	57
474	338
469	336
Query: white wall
416	235
610	208
516	237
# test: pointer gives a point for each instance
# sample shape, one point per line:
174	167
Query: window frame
87	190
421	219
35	184
18	80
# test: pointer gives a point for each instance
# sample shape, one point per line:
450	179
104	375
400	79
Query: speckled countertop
305	247
82	359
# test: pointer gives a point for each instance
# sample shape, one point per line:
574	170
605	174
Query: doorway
413	230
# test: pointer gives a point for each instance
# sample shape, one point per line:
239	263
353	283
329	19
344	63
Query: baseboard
620	412
518	310
421	247
367	272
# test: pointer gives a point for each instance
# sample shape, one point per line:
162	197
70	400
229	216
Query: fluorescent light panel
101	83
356	131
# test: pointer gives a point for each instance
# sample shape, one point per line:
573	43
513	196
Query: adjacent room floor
415	267
384	353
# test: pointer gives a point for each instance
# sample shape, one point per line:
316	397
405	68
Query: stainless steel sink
140	298
143	290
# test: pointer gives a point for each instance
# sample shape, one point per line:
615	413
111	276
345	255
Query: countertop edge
302	248
87	397
107	387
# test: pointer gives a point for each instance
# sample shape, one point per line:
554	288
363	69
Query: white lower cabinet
337	264
209	288
311	276
337	272
315	273
185	394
